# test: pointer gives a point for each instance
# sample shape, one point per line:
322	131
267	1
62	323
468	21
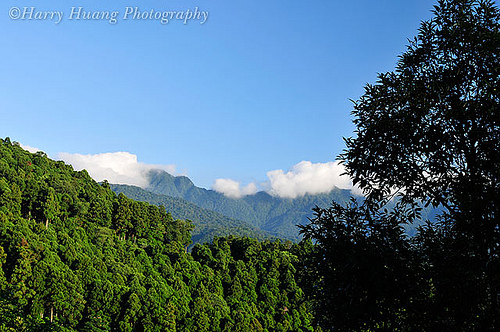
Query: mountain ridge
278	216
274	215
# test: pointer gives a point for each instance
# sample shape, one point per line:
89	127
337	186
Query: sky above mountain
251	95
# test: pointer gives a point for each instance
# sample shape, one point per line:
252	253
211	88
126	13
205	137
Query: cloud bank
116	167
233	189
308	178
302	179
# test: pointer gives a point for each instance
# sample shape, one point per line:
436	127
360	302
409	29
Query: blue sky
260	86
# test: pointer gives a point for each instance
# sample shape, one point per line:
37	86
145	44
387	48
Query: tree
50	207
367	276
121	218
430	130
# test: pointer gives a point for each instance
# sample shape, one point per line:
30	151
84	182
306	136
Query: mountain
278	216
207	223
273	215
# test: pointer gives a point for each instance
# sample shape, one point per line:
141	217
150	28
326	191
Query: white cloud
302	179
308	178
30	148
116	167
233	189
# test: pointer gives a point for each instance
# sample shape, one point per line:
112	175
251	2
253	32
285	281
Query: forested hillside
76	256
207	223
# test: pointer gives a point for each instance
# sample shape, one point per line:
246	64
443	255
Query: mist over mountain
275	215
261	212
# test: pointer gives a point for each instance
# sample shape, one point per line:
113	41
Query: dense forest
75	256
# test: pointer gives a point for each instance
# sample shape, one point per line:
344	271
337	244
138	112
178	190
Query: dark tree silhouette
430	132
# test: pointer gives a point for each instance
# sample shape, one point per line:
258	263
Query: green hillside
74	256
208	224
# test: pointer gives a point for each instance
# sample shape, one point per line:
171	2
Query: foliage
430	132
74	256
370	276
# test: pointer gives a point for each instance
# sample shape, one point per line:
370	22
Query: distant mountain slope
207	223
279	216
